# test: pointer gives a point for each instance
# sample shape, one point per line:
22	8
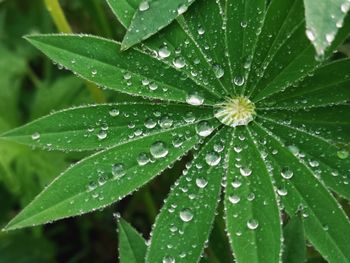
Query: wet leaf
294	241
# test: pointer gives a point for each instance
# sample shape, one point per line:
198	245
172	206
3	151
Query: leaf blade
192	216
132	246
294	241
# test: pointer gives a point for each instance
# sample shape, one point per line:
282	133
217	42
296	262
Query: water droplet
143	159
343	154
35	136
252	224
114	112
201	31
150	123
179	62
181	9
168	259
204	129
164	52
212	158
219	71
118	170
102	135
234	199
239	81
194	99
186	215
144	5
310	34
165	122
201	182
159	150
287	173
245	171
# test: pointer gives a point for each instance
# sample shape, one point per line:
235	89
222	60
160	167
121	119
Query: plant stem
60	20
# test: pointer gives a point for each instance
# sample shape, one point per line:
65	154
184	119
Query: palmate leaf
101	126
132	246
184	222
326	225
107	176
286	160
323	19
252	213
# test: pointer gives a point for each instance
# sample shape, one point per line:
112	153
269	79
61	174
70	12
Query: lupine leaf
252	214
323	20
147	22
106	177
294	241
327	86
326	224
132	246
244	20
100	60
320	154
101	126
331	123
174	44
185	220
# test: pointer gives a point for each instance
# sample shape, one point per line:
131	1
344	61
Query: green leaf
244	20
323	19
320	154
327	86
294	241
101	126
331	123
252	213
147	21
107	176
185	220
132	246
326	224
124	10
134	72
180	42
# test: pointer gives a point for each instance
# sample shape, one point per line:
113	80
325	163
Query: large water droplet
245	171
234	199
164	52
212	158
118	170
201	182
194	99
204	129
159	150
168	259
219	71
287	173
186	215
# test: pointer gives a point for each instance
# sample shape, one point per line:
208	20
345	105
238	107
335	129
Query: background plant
327	137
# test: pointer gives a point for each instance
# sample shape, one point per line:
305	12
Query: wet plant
237	86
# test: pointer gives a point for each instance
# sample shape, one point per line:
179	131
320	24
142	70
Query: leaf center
235	111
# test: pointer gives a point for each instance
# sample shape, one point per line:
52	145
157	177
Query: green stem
60	20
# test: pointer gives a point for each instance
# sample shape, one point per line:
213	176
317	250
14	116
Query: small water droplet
143	159
144	5
287	173
234	199
181	9
219	71
245	171
164	52
343	154
35	136
114	112
252	224
239	81
194	99
201	182
168	259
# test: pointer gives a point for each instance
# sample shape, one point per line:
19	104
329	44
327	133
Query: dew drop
204	129
252	224
194	99
239	81
343	154
234	199
35	136
310	35
102	135
181	9
143	159
168	259
118	170
287	173
245	171
212	158
164	52
114	112
179	62
219	71
186	215
144	5
201	182
159	150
